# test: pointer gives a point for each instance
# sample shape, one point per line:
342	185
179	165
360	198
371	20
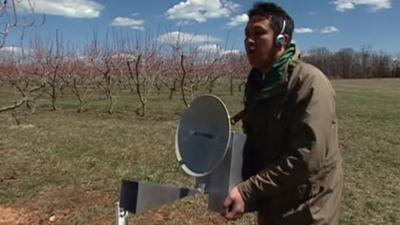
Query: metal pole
121	215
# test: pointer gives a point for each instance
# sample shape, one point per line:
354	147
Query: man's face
259	43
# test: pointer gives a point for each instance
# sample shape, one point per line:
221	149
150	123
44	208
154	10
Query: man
292	167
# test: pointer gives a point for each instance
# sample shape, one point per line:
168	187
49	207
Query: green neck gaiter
276	74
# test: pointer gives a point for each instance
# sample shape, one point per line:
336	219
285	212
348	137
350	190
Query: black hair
276	15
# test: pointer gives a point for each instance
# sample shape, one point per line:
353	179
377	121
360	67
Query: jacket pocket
300	216
293	207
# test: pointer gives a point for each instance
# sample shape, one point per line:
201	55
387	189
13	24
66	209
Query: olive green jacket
292	168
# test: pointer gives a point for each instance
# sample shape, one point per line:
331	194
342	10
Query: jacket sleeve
309	123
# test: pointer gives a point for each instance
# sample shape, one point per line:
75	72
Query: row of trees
134	63
349	63
142	65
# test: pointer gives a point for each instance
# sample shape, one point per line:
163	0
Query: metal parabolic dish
203	135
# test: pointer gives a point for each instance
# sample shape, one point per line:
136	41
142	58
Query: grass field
65	167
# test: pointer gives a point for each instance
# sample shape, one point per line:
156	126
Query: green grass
70	164
370	126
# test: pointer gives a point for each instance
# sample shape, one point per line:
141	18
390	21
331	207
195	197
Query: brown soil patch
60	206
13	216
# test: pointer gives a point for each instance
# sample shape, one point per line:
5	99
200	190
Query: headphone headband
283	27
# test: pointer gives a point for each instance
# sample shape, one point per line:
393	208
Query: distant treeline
349	63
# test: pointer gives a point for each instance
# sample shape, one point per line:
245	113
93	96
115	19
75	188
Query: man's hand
234	204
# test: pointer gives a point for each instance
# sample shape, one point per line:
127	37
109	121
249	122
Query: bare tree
381	64
183	77
50	56
106	83
194	72
169	70
169	74
237	68
143	67
27	85
11	17
106	63
206	70
365	62
321	57
78	76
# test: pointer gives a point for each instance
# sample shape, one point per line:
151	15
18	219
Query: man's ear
287	42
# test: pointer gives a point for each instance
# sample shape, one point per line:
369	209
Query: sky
218	24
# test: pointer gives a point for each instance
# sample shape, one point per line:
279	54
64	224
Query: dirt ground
58	207
68	206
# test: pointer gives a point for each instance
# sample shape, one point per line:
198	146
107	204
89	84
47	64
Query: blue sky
219	24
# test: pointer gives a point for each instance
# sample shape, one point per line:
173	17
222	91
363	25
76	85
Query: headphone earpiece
280	38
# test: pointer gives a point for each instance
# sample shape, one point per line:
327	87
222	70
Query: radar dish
202	137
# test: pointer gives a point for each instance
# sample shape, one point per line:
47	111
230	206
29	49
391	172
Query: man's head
268	34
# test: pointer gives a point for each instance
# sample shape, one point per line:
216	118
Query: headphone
280	39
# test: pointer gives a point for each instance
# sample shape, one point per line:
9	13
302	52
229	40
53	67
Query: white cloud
375	5
215	49
137	27
329	29
303	30
230	52
201	10
14	51
211	48
128	22
182	23
184	38
238	20
11	49
66	8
